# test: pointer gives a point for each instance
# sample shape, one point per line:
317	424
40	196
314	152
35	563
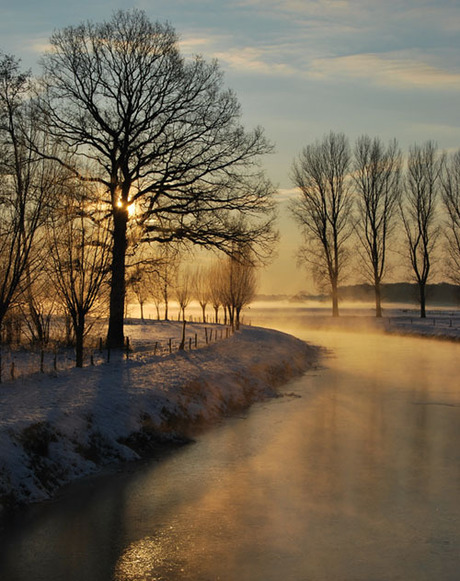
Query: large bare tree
450	180
376	174
24	183
418	212
324	208
163	134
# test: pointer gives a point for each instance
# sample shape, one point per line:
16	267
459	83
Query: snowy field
64	424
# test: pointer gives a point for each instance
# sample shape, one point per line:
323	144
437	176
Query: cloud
388	69
255	60
285	194
204	42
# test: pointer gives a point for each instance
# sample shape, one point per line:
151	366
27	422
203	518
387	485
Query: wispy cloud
203	42
397	70
255	60
286	194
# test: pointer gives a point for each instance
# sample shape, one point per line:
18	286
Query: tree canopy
158	131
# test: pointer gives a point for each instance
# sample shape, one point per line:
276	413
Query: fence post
12	370
42	357
170	345
206	334
155	348
55	361
127	348
189	343
196	340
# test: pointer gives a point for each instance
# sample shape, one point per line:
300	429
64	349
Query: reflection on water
358	479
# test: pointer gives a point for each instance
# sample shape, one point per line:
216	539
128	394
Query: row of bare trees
370	194
226	284
120	145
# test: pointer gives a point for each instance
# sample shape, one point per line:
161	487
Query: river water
352	475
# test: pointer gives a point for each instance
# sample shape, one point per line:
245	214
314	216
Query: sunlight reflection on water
355	480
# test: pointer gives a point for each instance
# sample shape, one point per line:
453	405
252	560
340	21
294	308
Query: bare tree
23	184
139	281
324	208
80	254
183	290
243	284
418	211
163	134
376	175
215	288
166	269
202	289
234	282
39	302
450	180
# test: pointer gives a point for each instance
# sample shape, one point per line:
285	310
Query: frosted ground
61	425
68	423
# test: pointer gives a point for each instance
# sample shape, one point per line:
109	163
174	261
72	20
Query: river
352	475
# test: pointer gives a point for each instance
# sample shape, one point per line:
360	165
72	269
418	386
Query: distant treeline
441	294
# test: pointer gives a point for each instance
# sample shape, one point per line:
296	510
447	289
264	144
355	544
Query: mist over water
353	475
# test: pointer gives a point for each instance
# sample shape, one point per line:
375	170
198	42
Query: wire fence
21	362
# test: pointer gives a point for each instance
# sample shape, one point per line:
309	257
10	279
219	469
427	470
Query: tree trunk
115	338
422	289
79	334
335	299
237	318
182	342
165	296
378	299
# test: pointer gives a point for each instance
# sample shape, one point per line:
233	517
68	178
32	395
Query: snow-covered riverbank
55	428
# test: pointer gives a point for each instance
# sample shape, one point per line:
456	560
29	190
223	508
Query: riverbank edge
253	364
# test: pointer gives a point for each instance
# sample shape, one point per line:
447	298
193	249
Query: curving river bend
353	475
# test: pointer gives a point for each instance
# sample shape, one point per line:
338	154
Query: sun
131	208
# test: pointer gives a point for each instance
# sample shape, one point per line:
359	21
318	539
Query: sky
300	68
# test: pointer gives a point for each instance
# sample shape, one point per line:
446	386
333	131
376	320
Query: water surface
353	475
